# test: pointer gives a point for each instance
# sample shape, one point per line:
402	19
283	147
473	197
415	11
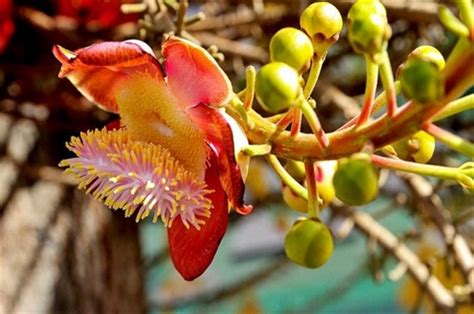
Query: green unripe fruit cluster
419	147
356	180
420	76
368	28
293	47
277	86
323	23
309	243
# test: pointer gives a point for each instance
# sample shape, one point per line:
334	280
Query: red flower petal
192	250
100	70
193	75
219	136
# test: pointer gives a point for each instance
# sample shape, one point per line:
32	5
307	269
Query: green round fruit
323	23
309	243
368	28
296	170
356	180
428	53
293	47
293	200
326	189
421	81
419	147
277	86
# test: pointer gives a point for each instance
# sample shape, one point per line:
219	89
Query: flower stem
441	172
313	122
370	87
238	108
313	197
386	76
313	75
467	14
257	150
286	178
379	102
296	123
451	140
282	124
459	105
250	88
451	22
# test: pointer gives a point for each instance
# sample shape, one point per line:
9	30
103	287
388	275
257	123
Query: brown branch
232	47
241	17
225	292
432	205
420	272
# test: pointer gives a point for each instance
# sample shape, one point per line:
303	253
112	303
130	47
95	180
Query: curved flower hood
175	155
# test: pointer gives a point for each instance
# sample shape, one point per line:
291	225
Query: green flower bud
428	53
296	169
368	28
421	80
356	180
277	86
418	147
293	47
326	190
323	23
293	200
309	243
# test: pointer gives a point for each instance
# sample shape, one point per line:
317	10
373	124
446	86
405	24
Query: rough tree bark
60	251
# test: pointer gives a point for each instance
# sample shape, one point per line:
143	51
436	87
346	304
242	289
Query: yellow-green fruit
368	28
296	170
293	47
418	147
277	86
428	53
323	23
293	200
356	180
309	243
326	190
421	80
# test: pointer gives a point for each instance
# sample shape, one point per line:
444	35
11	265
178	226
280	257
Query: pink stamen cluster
137	176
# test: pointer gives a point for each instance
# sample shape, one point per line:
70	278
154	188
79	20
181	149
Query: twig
228	291
433	207
366	224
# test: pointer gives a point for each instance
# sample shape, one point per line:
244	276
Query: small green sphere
421	81
277	86
293	200
309	243
296	169
323	23
293	47
428	53
326	190
356	180
417	147
368	28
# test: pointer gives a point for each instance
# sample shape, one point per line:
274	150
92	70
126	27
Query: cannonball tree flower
174	156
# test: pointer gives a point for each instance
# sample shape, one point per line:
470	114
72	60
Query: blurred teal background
344	285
